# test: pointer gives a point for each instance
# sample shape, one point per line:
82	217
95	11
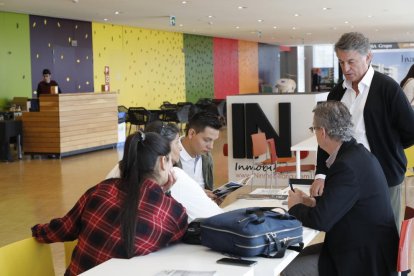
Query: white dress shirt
192	166
356	105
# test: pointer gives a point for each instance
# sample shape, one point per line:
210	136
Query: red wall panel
226	67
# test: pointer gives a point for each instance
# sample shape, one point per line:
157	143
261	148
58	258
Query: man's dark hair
46	72
203	119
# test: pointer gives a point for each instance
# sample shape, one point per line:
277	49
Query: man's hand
210	194
298	197
317	187
295	197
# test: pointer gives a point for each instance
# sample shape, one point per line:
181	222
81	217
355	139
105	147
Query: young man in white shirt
195	158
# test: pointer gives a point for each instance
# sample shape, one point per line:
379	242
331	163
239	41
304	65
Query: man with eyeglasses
383	118
354	210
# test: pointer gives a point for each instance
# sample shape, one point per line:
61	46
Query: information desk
200	258
71	123
9	129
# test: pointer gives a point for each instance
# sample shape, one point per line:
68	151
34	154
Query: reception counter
69	124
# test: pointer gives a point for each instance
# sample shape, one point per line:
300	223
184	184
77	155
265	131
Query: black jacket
389	124
355	212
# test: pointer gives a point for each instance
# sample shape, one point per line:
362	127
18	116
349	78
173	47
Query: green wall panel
15	75
199	79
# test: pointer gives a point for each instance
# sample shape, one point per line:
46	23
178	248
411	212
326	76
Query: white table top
309	144
199	258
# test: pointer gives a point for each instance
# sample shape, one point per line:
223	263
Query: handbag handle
260	213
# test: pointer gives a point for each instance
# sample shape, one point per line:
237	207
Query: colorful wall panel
65	47
248	67
15	77
226	67
199	80
146	66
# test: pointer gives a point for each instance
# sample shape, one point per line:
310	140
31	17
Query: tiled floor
34	191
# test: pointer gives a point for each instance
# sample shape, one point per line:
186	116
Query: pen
291	187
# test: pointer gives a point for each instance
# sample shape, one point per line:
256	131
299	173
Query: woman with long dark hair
185	190
123	217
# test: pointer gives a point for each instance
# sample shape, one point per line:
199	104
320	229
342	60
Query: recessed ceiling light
296	15
369	16
237	27
274	27
210	16
293	28
183	2
260	20
117	12
181	25
326	9
105	19
346	22
241	7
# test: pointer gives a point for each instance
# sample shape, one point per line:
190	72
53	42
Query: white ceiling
381	21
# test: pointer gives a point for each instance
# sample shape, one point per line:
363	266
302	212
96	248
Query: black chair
168	112
183	115
138	116
222	111
123	108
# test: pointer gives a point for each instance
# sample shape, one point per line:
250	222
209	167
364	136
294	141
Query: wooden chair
405	247
260	149
26	257
69	246
409	153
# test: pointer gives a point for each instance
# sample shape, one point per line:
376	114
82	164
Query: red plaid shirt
94	221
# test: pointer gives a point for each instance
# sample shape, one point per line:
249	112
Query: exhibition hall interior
78	77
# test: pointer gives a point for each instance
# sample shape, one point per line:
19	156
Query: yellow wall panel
146	66
248	67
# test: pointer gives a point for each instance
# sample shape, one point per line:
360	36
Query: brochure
231	186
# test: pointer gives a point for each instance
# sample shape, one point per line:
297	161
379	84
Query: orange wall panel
248	67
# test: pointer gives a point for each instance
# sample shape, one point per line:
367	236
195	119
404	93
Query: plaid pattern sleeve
94	221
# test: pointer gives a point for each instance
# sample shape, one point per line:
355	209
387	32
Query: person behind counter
44	87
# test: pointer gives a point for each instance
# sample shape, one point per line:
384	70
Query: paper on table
263	193
231	186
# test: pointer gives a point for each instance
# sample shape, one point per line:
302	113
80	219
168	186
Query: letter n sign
248	118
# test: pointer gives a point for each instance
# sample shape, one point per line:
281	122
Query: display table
199	258
9	129
71	123
309	144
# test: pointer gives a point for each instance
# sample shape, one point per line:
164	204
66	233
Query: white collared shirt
192	166
356	105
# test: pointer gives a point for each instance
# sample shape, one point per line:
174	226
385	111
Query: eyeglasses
312	129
